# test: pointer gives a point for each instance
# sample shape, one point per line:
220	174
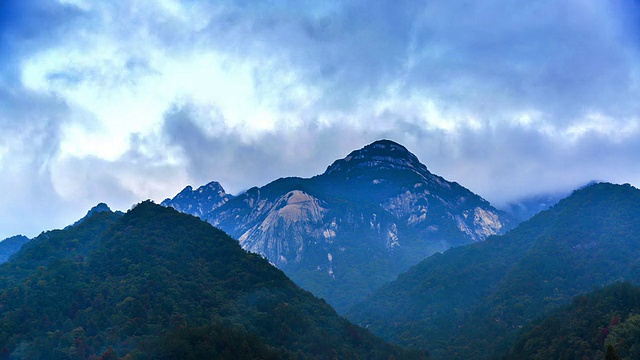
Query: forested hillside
606	320
155	283
469	302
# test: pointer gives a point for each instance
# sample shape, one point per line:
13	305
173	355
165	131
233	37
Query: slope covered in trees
470	302
606	318
155	283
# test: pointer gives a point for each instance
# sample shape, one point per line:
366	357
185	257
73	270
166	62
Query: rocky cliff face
387	174
343	233
199	202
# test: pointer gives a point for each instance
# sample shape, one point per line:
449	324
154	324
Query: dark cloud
29	26
563	59
22	20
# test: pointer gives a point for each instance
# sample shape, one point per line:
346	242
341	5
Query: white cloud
117	87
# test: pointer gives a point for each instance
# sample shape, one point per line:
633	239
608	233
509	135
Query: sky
121	101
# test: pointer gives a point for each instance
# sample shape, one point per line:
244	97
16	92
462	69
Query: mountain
608	317
157	284
470	301
387	174
72	243
101	207
199	202
366	219
11	245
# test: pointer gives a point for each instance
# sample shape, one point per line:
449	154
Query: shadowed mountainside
470	301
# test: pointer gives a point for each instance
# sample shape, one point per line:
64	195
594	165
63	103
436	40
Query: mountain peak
101	207
387	144
212	186
208	197
213	189
381	154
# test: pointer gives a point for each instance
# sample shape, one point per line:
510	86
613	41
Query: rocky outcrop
199	202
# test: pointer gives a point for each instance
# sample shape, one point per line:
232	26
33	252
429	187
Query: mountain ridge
99	208
468	301
199	202
379	202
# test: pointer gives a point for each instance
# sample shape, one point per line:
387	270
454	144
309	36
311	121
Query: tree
611	353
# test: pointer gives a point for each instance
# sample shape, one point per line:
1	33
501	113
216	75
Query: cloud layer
127	100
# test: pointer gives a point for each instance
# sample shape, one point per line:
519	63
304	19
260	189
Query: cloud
239	162
29	140
118	101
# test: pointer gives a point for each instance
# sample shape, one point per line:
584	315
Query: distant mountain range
470	302
157	284
11	245
342	234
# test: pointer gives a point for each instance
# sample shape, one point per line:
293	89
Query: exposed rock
377	212
199	202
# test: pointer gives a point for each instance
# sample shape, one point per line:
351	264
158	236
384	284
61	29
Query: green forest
470	302
597	325
156	284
